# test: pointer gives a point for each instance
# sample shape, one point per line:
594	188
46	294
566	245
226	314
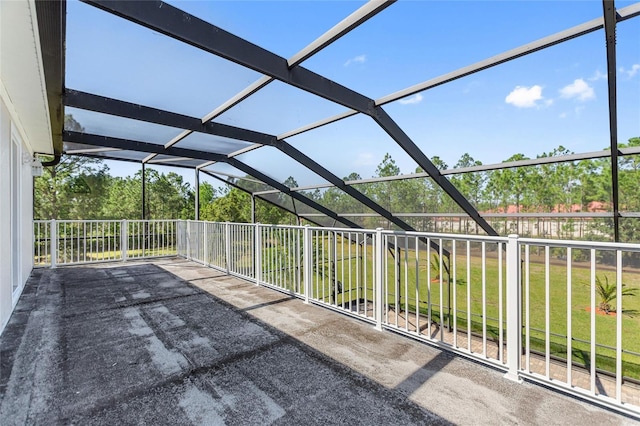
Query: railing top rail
435	235
352	230
598	245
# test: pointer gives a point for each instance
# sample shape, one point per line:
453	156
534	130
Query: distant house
592	207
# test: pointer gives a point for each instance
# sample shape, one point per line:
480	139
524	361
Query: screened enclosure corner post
377	256
53	235
514	326
124	239
307	258
205	244
227	246
258	253
179	237
187	239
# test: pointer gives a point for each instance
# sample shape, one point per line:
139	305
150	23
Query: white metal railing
569	342
68	242
526	306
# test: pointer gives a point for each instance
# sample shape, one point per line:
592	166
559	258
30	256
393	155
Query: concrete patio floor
172	342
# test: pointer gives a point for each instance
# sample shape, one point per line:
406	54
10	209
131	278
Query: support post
307	258
205	243
187	235
53	243
253	208
227	246
197	206
257	252
514	325
124	239
144	192
378	254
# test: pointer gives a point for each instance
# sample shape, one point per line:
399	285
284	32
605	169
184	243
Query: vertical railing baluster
514	303
378	281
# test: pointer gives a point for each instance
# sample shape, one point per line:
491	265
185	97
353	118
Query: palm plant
608	292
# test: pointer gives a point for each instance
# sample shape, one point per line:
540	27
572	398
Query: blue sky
557	96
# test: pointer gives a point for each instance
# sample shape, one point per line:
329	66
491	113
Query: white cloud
579	89
524	97
360	59
630	72
598	75
415	99
563	115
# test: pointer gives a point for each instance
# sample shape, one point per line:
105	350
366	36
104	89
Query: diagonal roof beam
609	11
182	26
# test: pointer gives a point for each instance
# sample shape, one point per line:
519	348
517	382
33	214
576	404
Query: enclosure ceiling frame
189	29
609	11
172	22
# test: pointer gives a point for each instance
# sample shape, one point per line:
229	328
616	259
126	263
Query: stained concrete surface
172	342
